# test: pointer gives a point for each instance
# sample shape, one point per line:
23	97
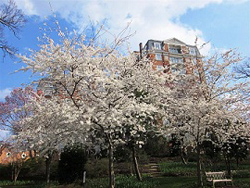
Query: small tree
10	119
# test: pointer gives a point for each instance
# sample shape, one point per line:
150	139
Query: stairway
151	169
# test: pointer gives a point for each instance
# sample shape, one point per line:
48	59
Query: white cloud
4	93
151	19
4	134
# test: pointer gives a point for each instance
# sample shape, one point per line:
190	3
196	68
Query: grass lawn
175	175
173	182
131	182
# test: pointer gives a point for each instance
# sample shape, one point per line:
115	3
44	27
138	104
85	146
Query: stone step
151	169
154	174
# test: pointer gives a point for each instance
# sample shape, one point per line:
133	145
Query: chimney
140	47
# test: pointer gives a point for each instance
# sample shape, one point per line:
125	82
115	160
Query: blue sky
225	23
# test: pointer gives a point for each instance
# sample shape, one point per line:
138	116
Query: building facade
172	56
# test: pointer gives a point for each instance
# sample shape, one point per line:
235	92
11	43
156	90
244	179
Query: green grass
173	182
2	183
126	182
122	182
23	184
178	169
176	175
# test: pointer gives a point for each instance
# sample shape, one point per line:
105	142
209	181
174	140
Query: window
158	57
48	92
194	61
157	45
178	69
192	51
177	60
175	49
159	67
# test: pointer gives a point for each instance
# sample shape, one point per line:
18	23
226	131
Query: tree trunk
228	164
199	172
182	157
237	161
17	170
48	161
136	167
111	166
30	154
12	171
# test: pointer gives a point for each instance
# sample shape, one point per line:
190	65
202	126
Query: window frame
176	60
175	49
159	67
192	51
157	45
178	68
158	59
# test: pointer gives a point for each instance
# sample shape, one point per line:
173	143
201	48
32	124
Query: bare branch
13	19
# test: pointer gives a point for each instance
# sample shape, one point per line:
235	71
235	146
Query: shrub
122	154
71	165
242	184
156	146
97	168
5	172
241	174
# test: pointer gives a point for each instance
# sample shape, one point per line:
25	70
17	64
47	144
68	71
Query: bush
156	146
241	174
72	163
34	168
122	154
242	183
5	172
97	168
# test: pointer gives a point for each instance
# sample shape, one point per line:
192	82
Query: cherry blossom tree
207	105
95	92
94	101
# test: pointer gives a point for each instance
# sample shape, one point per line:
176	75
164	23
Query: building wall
14	156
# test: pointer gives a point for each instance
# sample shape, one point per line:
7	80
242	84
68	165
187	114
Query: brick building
9	156
173	56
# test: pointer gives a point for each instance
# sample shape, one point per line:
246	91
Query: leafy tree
13	19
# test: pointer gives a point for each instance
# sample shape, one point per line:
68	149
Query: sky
224	23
